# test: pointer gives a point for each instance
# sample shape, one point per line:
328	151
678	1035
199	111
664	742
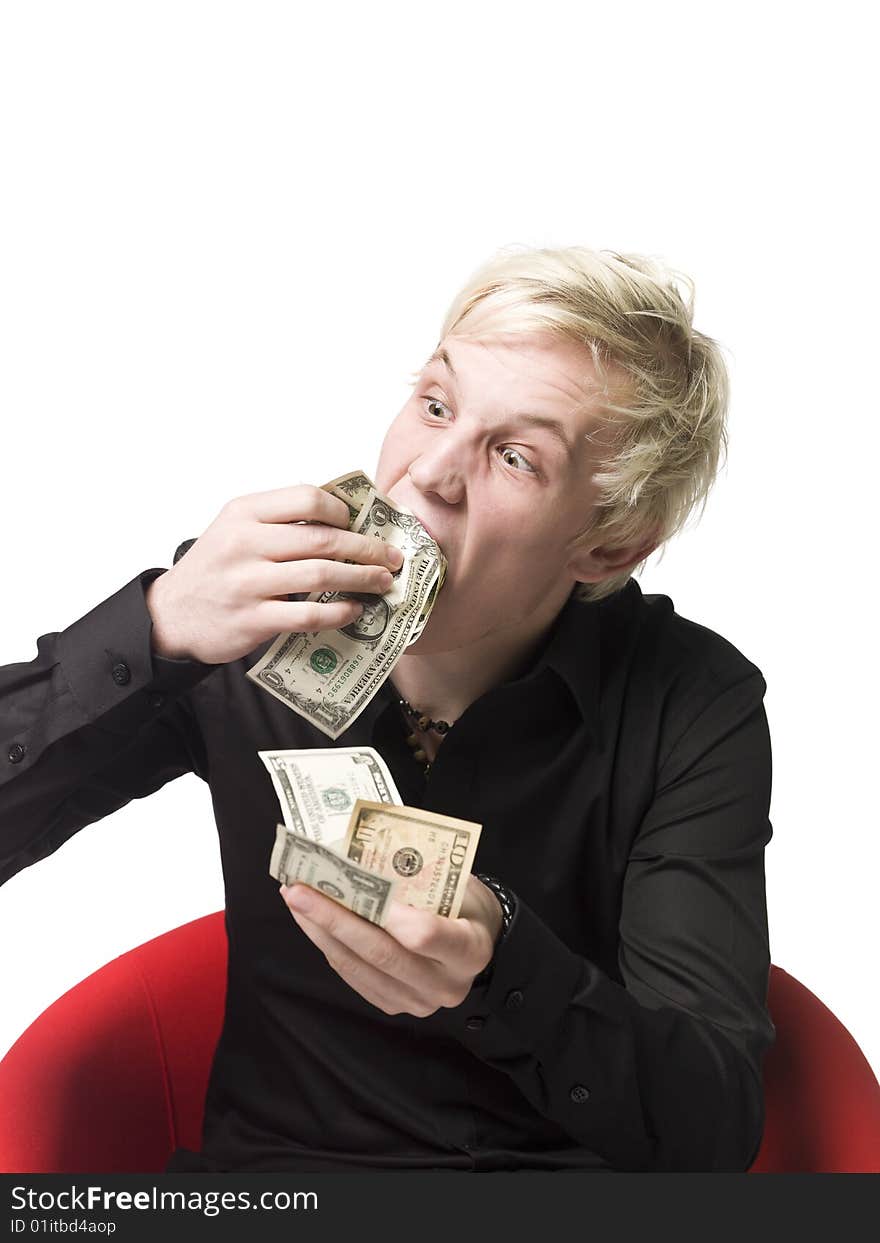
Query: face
500	493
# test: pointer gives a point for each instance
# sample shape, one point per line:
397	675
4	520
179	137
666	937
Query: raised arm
96	719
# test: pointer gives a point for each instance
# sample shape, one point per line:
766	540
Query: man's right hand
229	592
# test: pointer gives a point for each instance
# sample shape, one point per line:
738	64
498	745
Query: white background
229	233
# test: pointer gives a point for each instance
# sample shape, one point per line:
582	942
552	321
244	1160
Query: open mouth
427	528
409	509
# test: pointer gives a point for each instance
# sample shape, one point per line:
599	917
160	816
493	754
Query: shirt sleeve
662	1069
96	719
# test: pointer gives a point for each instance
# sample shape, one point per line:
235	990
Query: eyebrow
530	420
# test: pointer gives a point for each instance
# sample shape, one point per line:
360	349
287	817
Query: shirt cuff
534	977
108	661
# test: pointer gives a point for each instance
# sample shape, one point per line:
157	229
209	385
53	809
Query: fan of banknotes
347	834
329	676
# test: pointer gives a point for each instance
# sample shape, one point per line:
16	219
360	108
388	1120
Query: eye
432	401
529	468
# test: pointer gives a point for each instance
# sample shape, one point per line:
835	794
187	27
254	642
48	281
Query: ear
592	564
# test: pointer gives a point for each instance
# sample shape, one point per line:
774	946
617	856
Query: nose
439	469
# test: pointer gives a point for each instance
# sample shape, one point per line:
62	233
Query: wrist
161	635
505	901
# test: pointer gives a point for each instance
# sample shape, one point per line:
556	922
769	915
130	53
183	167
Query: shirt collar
571	650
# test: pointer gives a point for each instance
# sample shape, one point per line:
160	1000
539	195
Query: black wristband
507	901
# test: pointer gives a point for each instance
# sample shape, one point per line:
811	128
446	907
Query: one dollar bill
329	676
297	858
317	787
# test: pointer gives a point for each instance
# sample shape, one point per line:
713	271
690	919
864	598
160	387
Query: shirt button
16	753
475	1023
121	673
156	701
579	1094
514	1000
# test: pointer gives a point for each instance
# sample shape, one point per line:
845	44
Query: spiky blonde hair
663	386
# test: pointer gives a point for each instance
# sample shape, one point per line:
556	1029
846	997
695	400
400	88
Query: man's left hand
418	962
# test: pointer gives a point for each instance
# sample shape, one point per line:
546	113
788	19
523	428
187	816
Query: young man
600	1002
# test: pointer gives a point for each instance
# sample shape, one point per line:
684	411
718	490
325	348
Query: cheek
398	450
521	544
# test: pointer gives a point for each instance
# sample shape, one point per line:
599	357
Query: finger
368	942
274	578
280	616
444	941
379	989
282	543
297	503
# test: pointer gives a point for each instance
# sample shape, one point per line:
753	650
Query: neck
443	684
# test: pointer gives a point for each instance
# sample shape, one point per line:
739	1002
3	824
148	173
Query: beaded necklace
424	723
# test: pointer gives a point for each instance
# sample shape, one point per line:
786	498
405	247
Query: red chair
112	1077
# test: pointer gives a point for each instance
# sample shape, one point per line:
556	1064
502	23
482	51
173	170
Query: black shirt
623	785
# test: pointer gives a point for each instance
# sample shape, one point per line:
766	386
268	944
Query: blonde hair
663	386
